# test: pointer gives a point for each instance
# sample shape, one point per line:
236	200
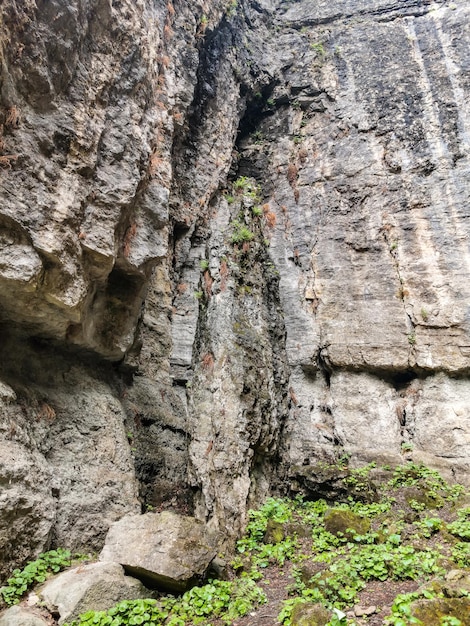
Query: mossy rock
308	569
275	532
308	614
462	502
345	523
303	531
457	584
429	499
334	483
431	612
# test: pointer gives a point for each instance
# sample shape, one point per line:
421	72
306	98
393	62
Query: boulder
93	587
309	614
166	551
451	599
20	616
346	523
431	612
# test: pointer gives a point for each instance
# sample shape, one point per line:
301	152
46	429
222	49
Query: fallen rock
275	532
166	551
93	587
364	611
346	523
455	585
431	612
332	482
19	616
310	615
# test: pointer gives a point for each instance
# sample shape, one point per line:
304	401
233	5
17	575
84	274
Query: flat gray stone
93	587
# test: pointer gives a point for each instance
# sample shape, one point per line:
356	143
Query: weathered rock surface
21	616
165	550
66	469
171	334
93	587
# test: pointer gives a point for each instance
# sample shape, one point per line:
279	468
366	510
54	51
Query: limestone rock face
166	550
233	244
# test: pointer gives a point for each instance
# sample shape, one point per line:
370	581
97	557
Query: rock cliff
234	243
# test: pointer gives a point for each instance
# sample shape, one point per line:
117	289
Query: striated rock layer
233	241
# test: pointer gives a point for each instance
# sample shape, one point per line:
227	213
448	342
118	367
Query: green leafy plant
242	183
429	526
401	608
221	599
232	8
448	620
275	509
461	527
319	48
35	572
461	554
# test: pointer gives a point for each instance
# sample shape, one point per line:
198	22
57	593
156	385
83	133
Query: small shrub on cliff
35	572
241	233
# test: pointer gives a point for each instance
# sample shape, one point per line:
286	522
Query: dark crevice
385	14
401	380
324	366
147	422
216	45
258	108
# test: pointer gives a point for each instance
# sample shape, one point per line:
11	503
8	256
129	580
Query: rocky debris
364	611
321	481
22	616
332	482
93	587
165	550
457	583
275	532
